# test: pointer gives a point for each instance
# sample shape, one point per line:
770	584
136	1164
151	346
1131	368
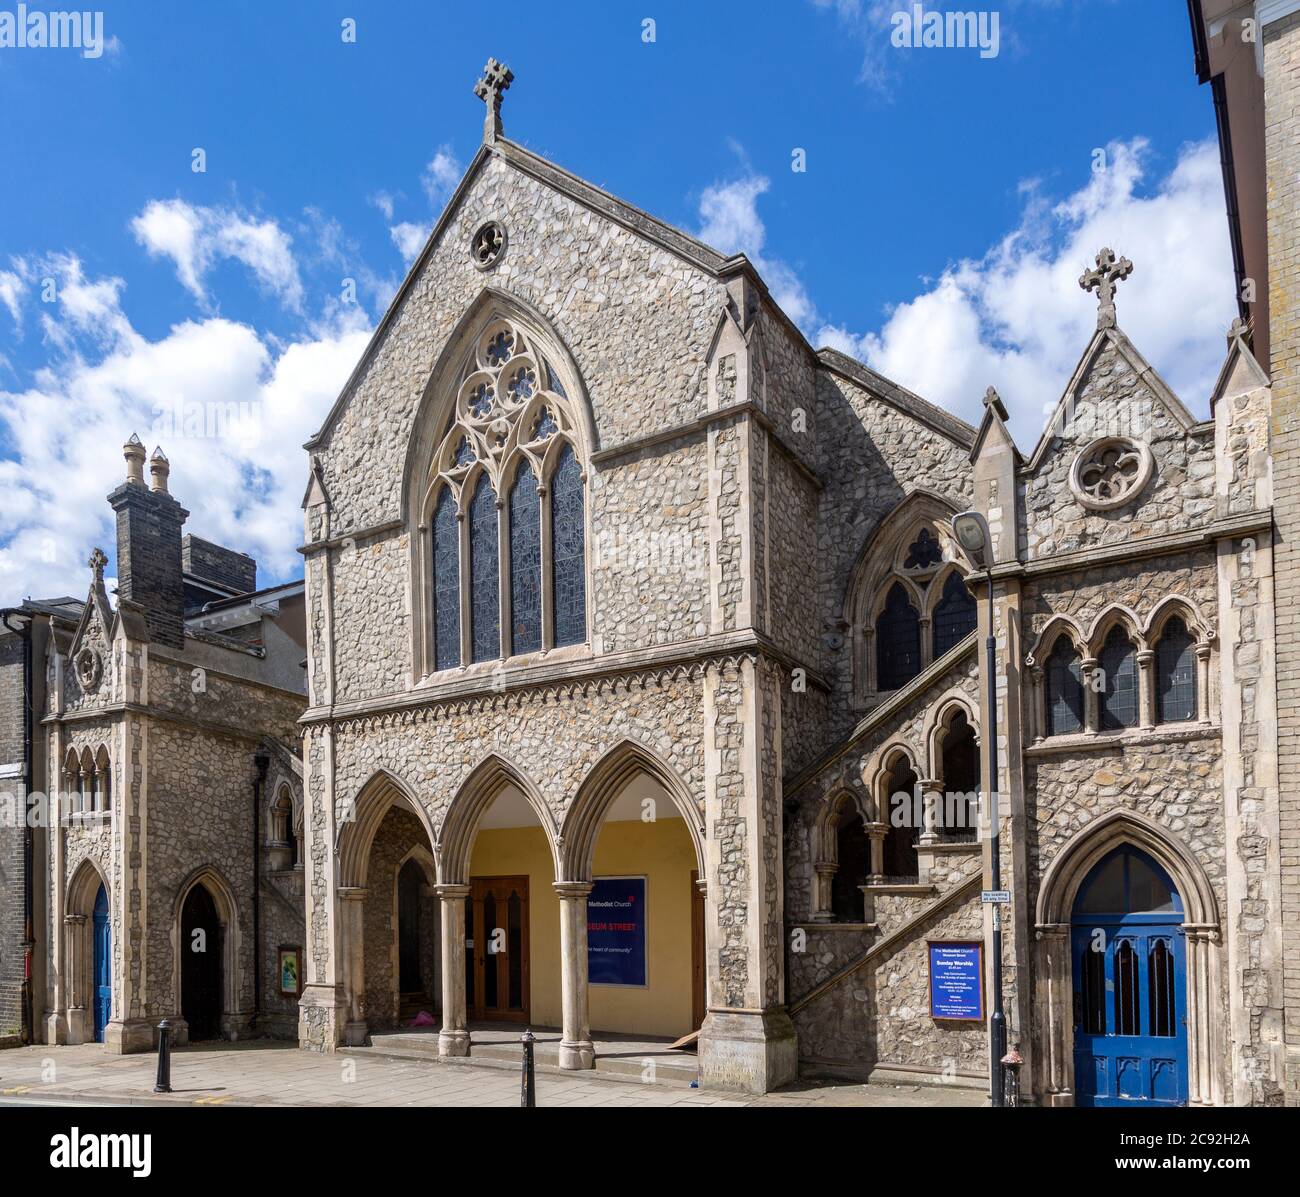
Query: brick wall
1282	149
225	567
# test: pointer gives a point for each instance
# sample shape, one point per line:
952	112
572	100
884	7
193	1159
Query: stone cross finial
1109	271
98	559
496	78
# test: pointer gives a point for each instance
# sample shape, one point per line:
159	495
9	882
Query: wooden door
699	981
201	971
496	949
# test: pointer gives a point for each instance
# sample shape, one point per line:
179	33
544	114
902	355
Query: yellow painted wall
662	853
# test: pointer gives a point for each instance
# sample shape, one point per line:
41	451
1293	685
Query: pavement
264	1072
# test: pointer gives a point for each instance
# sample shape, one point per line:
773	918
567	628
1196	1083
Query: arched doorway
101	981
410	886
1129	954
201	964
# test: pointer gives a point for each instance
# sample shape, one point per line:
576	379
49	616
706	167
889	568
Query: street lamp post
972	532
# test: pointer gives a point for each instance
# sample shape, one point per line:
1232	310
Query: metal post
998	1023
164	1082
528	1087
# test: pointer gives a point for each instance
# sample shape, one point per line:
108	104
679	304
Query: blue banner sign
956	981
616	931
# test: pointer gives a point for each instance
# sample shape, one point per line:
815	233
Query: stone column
1203	683
576	1049
453	1039
352	900
824	871
1038	705
1056	1013
74	930
876	833
931	816
1146	688
1091	707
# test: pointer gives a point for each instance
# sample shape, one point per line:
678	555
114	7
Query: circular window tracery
1110	472
488	244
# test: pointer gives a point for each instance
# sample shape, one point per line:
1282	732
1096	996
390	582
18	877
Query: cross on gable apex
497	77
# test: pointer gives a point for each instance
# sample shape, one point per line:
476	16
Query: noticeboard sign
957	979
616	932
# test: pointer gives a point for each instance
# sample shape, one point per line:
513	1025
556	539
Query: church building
650	692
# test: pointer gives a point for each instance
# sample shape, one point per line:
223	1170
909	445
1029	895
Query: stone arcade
643	696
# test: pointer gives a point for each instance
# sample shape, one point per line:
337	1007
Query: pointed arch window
954	617
1119	693
568	537
484	573
525	562
1064	678
1175	674
446	582
508	577
898	641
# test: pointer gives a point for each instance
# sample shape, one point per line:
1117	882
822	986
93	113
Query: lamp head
972	533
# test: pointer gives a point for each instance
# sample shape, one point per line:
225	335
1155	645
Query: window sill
1174	733
514	667
818	925
90	818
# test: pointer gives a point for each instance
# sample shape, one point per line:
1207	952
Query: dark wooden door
201	971
496	948
410	883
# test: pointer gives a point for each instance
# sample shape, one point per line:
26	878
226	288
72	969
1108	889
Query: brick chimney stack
149	523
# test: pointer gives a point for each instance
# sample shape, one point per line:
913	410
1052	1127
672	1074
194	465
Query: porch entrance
496	949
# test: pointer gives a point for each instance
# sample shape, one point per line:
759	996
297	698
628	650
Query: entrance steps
624	1058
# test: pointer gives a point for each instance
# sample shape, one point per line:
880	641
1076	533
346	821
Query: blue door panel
102	996
1130	1032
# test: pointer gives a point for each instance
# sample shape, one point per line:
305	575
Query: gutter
261	760
29	939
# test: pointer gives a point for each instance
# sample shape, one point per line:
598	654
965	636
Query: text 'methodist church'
637	686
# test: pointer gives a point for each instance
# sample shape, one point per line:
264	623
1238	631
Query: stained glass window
1175	674
923	552
484	572
1064	690
525	563
544	426
1119	697
568	572
553	382
446	583
954	617
898	641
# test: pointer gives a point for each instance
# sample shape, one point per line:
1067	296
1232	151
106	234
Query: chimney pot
159	469
133	451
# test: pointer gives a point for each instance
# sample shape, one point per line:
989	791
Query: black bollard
528	1088
164	1082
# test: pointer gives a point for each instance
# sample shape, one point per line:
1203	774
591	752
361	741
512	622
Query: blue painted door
1130	985
102	985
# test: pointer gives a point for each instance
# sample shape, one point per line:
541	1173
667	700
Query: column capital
73	920
451	890
352	893
573	889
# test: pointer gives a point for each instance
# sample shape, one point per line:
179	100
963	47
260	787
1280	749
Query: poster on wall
290	968
616	939
957	980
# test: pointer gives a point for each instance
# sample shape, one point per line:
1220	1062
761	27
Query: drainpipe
261	760
29	940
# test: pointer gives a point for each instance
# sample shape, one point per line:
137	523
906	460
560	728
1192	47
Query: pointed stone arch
477	792
234	1019
374	800
1113	615
603	784
1054	1060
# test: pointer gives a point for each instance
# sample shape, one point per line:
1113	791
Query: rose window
487	245
1110	472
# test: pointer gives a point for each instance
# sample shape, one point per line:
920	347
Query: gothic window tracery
898	641
508	493
1064	679
924	551
1175	674
955	616
1119	693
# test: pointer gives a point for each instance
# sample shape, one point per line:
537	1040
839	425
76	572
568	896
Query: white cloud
11	289
441	176
1015	317
195	237
409	239
229	408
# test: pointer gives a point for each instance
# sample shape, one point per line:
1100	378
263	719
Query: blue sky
950	202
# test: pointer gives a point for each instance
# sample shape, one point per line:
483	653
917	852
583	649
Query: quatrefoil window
499	348
1110	472
487	245
480	400
522	384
